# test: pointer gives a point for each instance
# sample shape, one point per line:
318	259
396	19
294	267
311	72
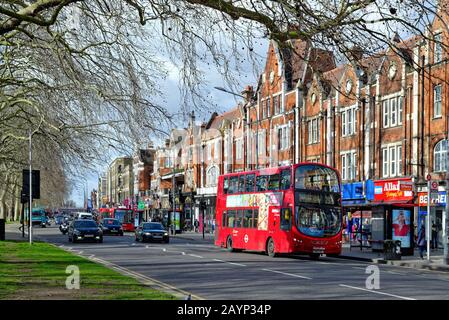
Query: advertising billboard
401	227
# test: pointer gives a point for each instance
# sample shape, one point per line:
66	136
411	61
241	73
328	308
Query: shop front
393	214
209	204
356	200
437	207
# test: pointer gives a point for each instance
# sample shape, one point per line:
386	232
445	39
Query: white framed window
261	143
386	113
209	151
348	165
216	149
392	160
268	106
262	107
438	50
239	148
392	111
439	156
276	105
437	101
313	130
283	141
212	176
385	162
349	121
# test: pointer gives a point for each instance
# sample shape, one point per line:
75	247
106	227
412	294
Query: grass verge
38	271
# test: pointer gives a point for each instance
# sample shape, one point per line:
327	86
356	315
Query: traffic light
36	182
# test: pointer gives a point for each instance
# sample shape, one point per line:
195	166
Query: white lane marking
133	244
358	268
91	256
183	253
288	274
163	249
80	251
146	247
378	292
392	272
233	263
194	255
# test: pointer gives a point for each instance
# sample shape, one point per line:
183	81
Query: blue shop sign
353	192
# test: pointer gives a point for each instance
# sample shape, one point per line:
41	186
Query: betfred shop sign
440	200
393	190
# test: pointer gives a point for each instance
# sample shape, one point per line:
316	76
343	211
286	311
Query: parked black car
80	230
152	231
111	226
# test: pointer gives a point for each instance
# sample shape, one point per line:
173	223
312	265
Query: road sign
429	177
434	186
434	190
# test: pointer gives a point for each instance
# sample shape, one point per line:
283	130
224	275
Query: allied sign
393	190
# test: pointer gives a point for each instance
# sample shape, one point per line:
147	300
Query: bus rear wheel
270	248
229	244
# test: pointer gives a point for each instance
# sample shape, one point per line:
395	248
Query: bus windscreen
316	177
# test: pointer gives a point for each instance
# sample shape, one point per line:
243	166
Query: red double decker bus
125	216
291	209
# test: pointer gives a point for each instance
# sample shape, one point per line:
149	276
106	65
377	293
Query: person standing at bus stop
196	224
422	241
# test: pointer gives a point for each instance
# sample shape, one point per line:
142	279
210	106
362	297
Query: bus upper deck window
225	185
233	184
250	182
285	179
273	183
262	183
242	183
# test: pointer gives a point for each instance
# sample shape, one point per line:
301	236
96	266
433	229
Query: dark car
111	226
151	231
80	230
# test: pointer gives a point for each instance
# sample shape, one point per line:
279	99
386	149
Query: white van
84	215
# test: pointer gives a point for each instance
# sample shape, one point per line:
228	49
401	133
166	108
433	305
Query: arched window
212	176
440	154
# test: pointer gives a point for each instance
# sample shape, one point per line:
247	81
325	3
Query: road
209	272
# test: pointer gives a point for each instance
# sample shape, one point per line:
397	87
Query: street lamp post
446	212
30	221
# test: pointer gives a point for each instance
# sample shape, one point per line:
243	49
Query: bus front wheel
229	244
270	248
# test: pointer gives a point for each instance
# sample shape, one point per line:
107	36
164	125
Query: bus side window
255	218
286	219
242	183
225	185
261	182
247	218
238	219
285	179
224	220
273	183
231	218
233	184
250	182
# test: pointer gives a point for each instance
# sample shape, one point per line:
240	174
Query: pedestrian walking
197	224
422	241
434	236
